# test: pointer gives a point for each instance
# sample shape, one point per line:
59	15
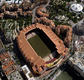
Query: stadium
53	44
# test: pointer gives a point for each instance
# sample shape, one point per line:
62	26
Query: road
34	10
34	14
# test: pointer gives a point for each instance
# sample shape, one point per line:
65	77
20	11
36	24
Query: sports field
39	46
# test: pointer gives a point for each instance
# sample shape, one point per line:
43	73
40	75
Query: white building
11	1
27	73
76	7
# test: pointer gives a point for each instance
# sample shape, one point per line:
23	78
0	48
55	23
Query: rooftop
7	63
15	76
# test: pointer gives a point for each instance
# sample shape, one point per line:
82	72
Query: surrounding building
8	69
41	12
15	76
27	72
11	1
78	29
15	10
8	65
76	7
77	60
65	32
1	51
46	21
